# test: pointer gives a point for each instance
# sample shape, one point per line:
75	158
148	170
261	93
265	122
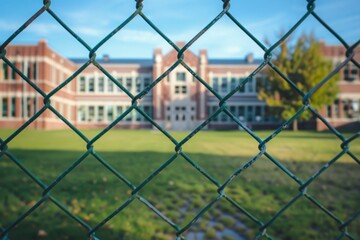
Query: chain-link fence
310	12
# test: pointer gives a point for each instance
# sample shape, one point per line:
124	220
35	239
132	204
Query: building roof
148	62
144	62
233	61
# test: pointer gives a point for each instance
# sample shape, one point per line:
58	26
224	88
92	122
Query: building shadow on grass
91	192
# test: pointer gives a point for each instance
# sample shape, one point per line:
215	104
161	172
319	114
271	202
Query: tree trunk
295	125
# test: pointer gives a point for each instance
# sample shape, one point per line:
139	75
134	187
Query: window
5	70
351	108
232	109
233	83
329	111
180	76
148	110
146	82
138	116
13	73
250	113
129	83
13	107
351	72
81	113
223	117
242	89
216	84
241	113
91	113
28	71
91	84
119	110
35	104
4	107
28	106
120	80
214	109
138	85
250	85
177	89
82	84
34	70
101	84
110	113
128	116
183	89
258	115
224	85
336	109
100	113
110	84
257	111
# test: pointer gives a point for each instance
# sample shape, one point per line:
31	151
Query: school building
178	102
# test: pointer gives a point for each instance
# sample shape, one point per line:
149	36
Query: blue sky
179	19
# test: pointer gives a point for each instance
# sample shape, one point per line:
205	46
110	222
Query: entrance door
180	118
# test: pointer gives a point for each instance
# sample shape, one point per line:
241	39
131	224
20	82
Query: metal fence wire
309	10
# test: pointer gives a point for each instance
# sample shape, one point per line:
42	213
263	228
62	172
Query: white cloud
37	28
88	31
44	29
139	36
7	26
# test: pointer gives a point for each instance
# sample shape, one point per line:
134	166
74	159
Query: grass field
92	192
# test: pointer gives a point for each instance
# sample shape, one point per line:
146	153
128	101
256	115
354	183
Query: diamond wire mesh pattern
221	187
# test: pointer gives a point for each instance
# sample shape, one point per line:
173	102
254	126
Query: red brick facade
178	102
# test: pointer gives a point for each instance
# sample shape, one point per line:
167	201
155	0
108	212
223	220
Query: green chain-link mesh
345	146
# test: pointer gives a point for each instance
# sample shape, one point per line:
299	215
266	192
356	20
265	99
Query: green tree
303	63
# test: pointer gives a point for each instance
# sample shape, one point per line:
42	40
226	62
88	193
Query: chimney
180	44
158	55
203	56
106	58
249	58
42	47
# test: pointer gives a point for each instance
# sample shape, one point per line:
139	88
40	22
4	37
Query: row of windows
351	72
180	89
9	107
30	70
180	77
180	113
179	117
58	76
225	85
347	108
102	84
107	114
244	113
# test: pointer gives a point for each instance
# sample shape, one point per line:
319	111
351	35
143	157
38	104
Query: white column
159	92
228	76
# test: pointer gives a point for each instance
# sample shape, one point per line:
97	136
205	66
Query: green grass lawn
92	192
